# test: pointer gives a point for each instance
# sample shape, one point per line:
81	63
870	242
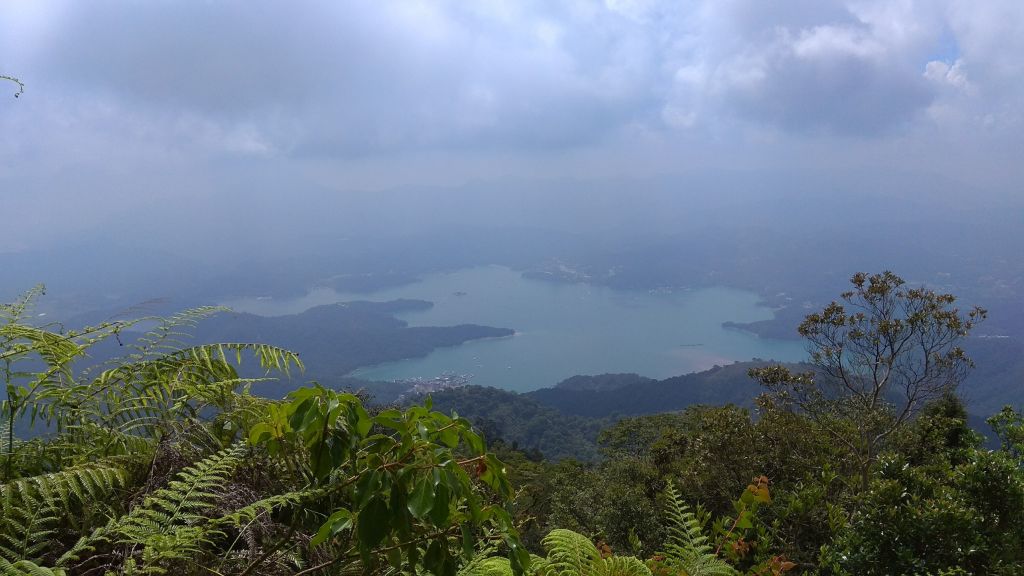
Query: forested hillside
163	461
564	421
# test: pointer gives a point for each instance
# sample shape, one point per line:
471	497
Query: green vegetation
879	358
164	461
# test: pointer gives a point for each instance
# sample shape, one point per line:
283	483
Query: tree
879	356
923	519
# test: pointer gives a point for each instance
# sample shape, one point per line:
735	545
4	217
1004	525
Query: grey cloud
352	78
132	104
841	94
830	67
348	77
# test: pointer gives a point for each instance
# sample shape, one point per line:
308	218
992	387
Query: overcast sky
134	104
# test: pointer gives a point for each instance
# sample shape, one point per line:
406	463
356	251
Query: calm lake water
562	329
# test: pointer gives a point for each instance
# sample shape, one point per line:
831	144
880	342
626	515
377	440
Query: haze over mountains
794	241
633	145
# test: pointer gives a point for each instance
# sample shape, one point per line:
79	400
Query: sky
175	112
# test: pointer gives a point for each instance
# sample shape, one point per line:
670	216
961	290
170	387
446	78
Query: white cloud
952	75
836	41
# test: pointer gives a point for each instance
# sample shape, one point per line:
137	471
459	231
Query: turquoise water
563	329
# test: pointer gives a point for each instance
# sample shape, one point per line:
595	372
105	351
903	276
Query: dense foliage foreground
161	461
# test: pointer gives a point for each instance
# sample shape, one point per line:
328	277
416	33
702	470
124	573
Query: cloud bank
133	104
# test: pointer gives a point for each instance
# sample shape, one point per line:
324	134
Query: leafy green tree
940	432
1008	425
610	502
939	516
937	503
879	356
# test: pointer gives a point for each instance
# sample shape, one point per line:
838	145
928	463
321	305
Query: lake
562	329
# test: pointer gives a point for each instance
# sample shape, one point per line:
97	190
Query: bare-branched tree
879	355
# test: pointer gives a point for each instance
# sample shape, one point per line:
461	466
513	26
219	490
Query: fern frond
183	544
268	505
165	336
623	566
483	565
185	500
685	532
570	553
144	397
16	311
86	545
687	547
27	524
173	382
211	355
7	445
89	441
26	568
57	350
35	507
93	481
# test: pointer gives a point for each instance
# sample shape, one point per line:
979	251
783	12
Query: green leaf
366	487
475	442
395	558
518	556
260	432
494	476
743	522
450	437
468	542
373	523
439	511
363	422
340	520
422	498
298	418
435	558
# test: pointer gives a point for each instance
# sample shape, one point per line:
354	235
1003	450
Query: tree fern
171	523
483	565
185	500
26	568
34	507
267	505
569	552
623	566
27	524
687	548
572	554
37	393
137	397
